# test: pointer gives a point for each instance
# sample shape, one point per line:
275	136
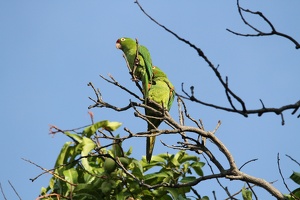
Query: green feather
143	70
162	92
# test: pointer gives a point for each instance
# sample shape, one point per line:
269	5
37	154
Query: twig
187	114
14	190
245	113
250	186
200	53
196	193
2	192
259	32
219	182
292	159
214	194
229	93
48	171
114	82
248	162
283	180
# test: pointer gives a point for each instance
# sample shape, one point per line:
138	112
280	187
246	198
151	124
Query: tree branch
229	93
259	32
259	112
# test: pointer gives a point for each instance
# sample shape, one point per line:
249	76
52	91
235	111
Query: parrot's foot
137	61
134	79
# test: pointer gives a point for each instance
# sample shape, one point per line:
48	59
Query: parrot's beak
118	45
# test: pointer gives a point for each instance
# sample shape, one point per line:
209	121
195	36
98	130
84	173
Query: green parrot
162	92
143	69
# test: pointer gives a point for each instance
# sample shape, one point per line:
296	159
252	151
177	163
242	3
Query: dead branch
283	180
14	189
292	159
259	33
201	54
2	192
229	171
228	92
245	112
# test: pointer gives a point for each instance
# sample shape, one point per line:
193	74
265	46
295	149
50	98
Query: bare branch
259	32
200	53
246	112
48	171
11	185
248	162
100	103
249	186
229	93
283	180
114	82
292	159
2	192
219	182
232	173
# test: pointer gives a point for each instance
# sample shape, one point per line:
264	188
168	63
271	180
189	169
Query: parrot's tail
149	148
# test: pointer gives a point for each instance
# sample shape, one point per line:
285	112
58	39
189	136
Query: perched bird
161	92
141	65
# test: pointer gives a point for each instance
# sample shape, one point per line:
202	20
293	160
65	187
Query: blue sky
50	50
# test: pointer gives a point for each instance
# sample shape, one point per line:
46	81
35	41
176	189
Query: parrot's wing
159	93
172	93
144	52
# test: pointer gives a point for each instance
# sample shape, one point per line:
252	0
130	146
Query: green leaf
51	183
158	158
174	159
105	124
87	146
180	154
112	126
61	156
128	153
86	191
296	177
71	176
187	179
137	169
44	191
247	194
157	175
296	193
173	192
120	196
74	137
159	192
187	157
164	156
117	148
166	197
197	166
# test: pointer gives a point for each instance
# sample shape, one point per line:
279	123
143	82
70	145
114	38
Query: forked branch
230	95
259	32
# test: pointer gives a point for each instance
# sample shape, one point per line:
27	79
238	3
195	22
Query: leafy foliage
85	170
296	193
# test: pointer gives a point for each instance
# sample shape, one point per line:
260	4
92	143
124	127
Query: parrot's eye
122	39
